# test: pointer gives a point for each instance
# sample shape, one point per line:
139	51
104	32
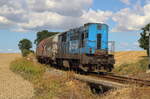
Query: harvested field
128	57
12	86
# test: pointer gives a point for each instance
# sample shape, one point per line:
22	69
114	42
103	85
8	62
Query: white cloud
9	50
52	20
49	14
128	19
96	16
63	7
27	15
5	23
127	2
20	30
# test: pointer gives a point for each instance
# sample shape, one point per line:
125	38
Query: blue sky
23	18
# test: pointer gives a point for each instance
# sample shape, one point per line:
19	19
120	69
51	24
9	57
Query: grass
128	57
61	88
27	69
132	92
133	68
50	86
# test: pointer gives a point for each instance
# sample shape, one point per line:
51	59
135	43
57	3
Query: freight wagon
83	48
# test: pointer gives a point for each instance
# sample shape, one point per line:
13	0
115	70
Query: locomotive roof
87	24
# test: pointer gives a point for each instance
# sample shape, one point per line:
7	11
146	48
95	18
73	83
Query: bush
26	68
25	52
25	45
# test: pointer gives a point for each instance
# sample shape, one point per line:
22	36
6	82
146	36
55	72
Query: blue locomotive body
85	40
98	37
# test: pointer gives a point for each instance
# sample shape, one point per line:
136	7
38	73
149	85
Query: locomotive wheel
59	63
83	67
108	69
39	60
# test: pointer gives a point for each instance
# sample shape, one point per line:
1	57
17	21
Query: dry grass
51	85
132	68
128	57
58	87
132	92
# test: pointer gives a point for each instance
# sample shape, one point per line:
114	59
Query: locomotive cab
97	37
97	48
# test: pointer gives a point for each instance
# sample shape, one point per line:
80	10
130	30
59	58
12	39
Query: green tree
25	52
25	45
144	39
42	35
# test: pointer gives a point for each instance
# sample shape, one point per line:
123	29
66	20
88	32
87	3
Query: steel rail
123	79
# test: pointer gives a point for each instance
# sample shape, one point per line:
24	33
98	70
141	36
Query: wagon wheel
59	64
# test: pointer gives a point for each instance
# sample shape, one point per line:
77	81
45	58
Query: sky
24	18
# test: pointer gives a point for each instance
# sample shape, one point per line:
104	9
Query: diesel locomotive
83	48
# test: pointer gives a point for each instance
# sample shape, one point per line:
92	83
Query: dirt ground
12	86
128	57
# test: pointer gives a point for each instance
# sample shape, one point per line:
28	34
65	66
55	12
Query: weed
27	69
50	86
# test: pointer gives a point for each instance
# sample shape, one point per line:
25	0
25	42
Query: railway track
123	79
112	78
